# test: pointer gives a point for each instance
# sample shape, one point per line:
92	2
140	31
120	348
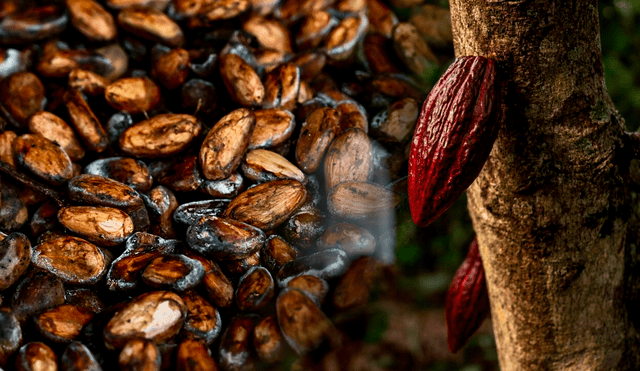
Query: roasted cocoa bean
140	355
194	355
225	188
36	356
234	352
203	319
314	287
63	323
21	95
137	95
56	130
242	82
78	357
88	82
261	165
277	252
161	203
268	341
85	122
133	173
316	135
326	264
352	291
92	20
156	316
102	225
151	24
15	255
72	259
255	289
224	238
349	158
351	238
43	158
174	272
10	335
35	292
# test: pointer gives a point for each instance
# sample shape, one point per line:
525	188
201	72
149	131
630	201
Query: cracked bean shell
160	136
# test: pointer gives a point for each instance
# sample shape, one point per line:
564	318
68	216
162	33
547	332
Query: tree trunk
551	207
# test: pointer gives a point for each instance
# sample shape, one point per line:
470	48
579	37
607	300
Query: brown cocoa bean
398	121
36	356
271	33
85	298
92	20
434	24
349	158
224	146
316	134
352	291
203	319
241	266
303	324
314	287
381	18
102	225
261	165
413	50
36	291
268	341
326	264
43	158
234	351
194	355
281	87
173	272
161	203
21	95
133	173
102	191
33	24
303	228
135	95
190	213
6	147
72	259
360	201
182	176
223	238
140	355
267	205
85	122
87	82
273	127
58	131
171	69
15	255
63	323
277	252
10	336
45	218
353	239
315	27
255	289
151	24
242	82
156	316
78	357
342	39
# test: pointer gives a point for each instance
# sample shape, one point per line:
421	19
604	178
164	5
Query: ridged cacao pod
453	138
467	302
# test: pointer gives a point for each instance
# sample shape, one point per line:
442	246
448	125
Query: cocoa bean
45	218
268	341
190	213
281	87
342	39
255	289
348	158
174	272
224	238
234	352
21	95
56	130
242	82
85	122
194	355
314	287
161	203
199	95
269	204
352	239
6	147
102	191
63	323
433	24
273	127
35	23
87	82
270	33
315	27
85	298
277	252
326	264
352	291
378	53
413	50
398	121
72	259
316	134
137	95
15	255
303	228
10	335
133	173
43	158
156	316
360	201
92	20
203	319
102	225
304	326
78	357
151	24
140	355
36	356
241	266
261	165
228	187
224	146
171	69
36	291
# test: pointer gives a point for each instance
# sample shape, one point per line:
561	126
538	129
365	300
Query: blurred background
428	258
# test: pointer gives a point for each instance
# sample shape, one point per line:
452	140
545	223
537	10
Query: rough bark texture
551	208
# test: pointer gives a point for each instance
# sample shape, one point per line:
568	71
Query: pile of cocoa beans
201	184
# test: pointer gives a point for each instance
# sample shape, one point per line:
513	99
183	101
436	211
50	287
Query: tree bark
551	207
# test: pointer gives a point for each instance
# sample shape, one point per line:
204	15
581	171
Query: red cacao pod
453	138
467	302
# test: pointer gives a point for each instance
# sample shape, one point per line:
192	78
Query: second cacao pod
453	138
467	301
